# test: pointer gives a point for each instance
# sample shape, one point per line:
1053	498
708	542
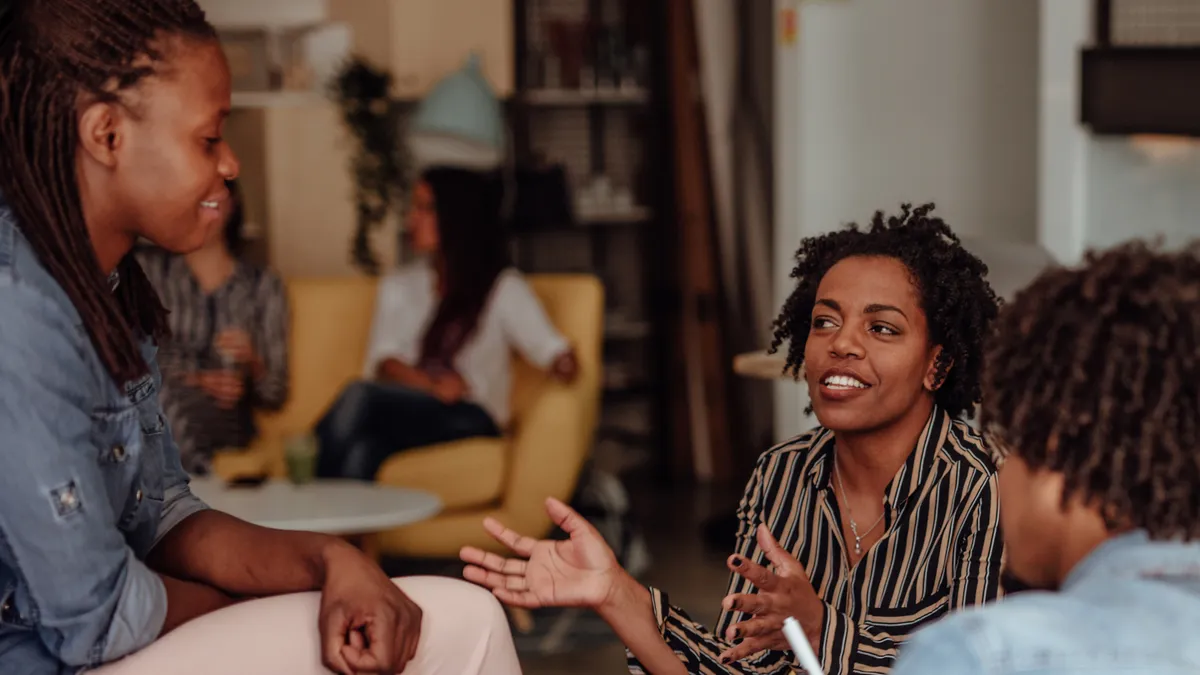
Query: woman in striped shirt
881	520
226	357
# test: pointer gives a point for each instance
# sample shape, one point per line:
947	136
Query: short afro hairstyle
1094	373
952	284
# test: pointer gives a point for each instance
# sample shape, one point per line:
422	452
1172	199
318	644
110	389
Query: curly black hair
1094	373
951	282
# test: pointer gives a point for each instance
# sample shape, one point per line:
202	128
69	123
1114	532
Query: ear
932	381
100	133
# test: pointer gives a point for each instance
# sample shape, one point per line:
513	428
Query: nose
846	343
229	167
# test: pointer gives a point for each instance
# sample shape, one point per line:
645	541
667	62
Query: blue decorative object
459	123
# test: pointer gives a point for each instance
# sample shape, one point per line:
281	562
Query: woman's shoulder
964	444
803	449
408	276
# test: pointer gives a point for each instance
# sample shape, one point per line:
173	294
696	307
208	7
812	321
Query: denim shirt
1131	607
90	481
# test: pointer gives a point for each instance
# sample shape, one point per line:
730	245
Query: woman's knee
455	603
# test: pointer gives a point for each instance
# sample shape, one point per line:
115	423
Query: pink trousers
463	632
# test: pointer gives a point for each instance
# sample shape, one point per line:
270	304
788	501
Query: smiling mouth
844	383
212	204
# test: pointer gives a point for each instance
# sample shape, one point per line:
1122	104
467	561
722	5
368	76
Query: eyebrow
874	308
877	308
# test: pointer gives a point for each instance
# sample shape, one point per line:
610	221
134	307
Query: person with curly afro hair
1092	392
881	520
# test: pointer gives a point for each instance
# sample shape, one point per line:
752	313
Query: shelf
637	214
583	97
240	15
276	99
620	328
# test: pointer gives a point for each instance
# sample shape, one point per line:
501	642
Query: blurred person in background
881	520
439	359
1092	390
227	355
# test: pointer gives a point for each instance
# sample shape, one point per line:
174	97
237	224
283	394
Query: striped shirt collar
922	464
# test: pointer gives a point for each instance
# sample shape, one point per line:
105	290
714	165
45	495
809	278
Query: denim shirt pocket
117	437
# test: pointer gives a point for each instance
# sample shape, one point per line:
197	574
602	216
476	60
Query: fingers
524	599
522	546
494	580
363	661
755	628
379	656
763	578
747	603
333	639
748	648
493	562
780	557
408	637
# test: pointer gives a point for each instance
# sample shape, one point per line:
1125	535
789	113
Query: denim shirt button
118	452
67	499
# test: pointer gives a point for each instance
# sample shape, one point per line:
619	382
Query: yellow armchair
541	455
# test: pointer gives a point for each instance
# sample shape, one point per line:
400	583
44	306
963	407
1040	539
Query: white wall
884	101
1100	191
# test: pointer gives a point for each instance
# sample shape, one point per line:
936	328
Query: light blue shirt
1131	607
90	480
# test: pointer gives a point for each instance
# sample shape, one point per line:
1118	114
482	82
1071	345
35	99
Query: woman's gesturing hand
580	571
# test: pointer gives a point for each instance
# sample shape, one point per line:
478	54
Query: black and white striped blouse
941	551
252	300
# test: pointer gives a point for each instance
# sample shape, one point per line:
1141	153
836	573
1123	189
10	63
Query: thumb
567	518
783	561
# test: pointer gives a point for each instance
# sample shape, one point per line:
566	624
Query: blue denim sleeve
178	501
942	648
95	601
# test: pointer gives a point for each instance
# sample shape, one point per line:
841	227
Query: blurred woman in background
438	362
227	354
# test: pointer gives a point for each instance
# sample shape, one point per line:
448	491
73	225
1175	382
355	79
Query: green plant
380	163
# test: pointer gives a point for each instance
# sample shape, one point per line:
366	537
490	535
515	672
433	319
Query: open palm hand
579	571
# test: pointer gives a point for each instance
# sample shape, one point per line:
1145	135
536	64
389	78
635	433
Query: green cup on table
301	455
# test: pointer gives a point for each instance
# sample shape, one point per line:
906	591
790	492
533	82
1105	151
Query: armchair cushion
467	473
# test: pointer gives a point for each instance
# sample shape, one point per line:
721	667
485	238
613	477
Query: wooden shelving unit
612	125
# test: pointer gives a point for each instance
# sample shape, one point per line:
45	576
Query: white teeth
843	382
210	205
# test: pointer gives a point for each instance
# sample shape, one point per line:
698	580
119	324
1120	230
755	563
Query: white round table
338	507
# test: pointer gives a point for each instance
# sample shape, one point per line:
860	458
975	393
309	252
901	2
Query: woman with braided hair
1092	389
111	113
881	520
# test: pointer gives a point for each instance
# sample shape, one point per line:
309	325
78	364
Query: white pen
800	647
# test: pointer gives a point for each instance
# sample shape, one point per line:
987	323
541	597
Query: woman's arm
253	560
847	646
698	647
395	331
398	372
94	600
529	328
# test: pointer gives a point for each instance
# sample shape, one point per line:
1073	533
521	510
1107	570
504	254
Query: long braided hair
1094	373
53	54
